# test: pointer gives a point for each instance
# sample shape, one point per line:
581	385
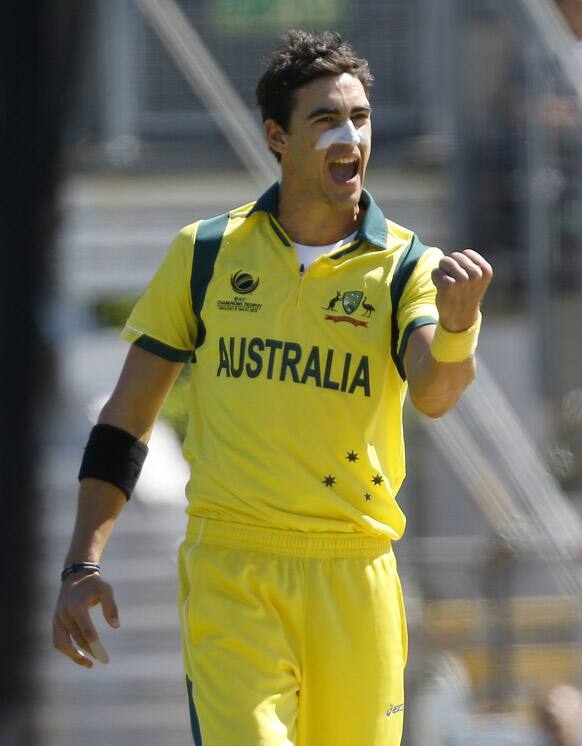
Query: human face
328	141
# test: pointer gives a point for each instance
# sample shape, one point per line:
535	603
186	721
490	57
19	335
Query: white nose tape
345	134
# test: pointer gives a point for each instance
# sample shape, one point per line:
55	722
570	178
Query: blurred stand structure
38	46
477	141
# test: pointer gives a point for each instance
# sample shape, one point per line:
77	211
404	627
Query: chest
258	292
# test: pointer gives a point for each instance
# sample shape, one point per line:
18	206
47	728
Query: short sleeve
163	321
417	305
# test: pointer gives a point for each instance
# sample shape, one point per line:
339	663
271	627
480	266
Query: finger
480	261
77	636
79	616
74	632
474	271
62	642
110	611
92	645
441	279
99	651
452	268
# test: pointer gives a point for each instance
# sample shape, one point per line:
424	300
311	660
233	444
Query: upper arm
416	311
140	392
162	331
418	345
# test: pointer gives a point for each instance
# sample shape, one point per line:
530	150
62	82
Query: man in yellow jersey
308	314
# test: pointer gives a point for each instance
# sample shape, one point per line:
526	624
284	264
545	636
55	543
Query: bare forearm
133	407
436	387
100	503
98	508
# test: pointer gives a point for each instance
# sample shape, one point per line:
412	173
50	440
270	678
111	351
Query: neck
313	223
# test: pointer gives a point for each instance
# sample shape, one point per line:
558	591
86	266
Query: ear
276	136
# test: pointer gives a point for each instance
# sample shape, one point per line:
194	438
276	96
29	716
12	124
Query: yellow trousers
291	639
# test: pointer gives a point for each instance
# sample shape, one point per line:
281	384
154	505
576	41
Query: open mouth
344	170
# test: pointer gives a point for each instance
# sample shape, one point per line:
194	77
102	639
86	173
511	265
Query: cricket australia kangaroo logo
350	302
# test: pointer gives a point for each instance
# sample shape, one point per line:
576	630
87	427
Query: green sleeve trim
129	335
414	324
163	350
404	269
206	247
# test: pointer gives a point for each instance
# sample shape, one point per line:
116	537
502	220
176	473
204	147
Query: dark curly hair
304	58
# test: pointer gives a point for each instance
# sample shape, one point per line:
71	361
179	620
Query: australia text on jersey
276	359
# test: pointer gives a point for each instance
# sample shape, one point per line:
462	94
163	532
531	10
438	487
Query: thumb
109	606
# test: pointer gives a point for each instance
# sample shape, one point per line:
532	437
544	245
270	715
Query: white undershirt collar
307	254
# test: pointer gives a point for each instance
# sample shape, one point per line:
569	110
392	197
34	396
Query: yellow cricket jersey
295	412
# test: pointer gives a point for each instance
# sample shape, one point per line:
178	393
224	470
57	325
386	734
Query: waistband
278	541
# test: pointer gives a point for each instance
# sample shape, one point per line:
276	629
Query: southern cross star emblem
351	300
378	479
352	456
368	496
329	480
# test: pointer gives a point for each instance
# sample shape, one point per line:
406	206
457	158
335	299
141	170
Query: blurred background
124	120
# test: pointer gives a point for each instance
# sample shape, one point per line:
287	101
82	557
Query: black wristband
78	566
115	456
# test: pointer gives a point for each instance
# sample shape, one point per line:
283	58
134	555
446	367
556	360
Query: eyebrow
323	110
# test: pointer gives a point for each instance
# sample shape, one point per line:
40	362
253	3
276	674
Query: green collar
373	229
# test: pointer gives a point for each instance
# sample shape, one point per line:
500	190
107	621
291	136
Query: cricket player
308	316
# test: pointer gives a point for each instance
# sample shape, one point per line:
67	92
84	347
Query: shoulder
398	235
243	211
410	251
213	228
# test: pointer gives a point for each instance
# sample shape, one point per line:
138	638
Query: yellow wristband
453	347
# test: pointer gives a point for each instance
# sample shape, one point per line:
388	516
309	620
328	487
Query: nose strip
345	134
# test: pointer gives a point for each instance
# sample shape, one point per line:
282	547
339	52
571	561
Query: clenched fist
461	280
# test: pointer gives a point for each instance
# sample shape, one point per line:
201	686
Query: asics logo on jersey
276	359
350	301
243	282
393	709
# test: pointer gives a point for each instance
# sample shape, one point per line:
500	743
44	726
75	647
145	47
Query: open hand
74	634
461	280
